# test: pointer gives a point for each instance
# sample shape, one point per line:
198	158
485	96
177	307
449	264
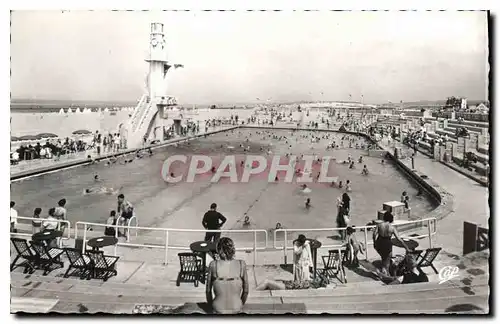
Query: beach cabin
106	110
61	111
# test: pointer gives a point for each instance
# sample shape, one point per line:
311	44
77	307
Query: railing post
128	230
284	246
429	232
366	243
254	247
166	247
84	243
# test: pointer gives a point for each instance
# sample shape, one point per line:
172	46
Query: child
110	231
353	246
340	184
405	199
348	186
365	170
305	190
308	202
36	224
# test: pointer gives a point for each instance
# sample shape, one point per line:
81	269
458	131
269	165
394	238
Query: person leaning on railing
51	223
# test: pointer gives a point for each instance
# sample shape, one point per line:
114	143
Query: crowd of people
51	149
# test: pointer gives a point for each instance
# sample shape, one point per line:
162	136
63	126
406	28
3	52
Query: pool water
182	205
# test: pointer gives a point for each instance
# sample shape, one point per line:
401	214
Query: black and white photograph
250	162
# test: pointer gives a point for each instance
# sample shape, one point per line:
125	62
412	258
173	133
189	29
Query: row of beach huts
86	110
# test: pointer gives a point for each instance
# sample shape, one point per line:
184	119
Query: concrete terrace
145	287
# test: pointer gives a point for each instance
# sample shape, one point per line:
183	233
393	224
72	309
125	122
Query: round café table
100	242
46	236
202	248
315	245
412	244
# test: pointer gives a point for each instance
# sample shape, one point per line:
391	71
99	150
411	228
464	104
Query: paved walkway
471	201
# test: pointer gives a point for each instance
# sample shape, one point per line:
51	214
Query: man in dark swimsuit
213	220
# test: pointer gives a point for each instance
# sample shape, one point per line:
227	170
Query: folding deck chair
428	258
103	265
47	257
23	251
334	263
80	262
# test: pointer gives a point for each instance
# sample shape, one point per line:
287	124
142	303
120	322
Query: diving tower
155	108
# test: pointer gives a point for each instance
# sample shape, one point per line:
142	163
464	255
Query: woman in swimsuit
229	280
382	241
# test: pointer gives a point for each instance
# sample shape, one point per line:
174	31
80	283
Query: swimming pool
182	205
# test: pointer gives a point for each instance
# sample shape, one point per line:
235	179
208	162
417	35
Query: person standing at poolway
213	220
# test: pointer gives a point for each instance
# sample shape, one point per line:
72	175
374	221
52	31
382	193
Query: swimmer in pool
101	190
305	190
111	160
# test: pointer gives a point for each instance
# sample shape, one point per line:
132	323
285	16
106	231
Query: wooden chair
428	258
333	263
80	262
47	257
103	266
191	268
23	251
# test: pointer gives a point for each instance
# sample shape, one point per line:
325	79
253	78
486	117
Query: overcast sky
235	57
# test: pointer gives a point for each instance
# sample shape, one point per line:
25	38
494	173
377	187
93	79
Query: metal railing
129	225
431	231
166	246
67	227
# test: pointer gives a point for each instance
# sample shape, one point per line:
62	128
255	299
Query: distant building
463	104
